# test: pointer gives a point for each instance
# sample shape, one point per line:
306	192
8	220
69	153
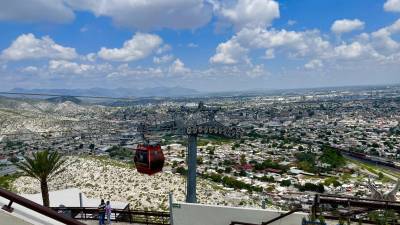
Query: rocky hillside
115	180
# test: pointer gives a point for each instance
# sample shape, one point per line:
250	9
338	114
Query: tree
243	159
286	183
200	160
91	146
43	166
332	157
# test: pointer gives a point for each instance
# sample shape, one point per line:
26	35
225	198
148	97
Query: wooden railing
117	215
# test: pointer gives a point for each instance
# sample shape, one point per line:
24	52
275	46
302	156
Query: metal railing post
171	202
8	207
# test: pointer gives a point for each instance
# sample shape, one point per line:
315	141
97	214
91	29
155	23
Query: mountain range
117	92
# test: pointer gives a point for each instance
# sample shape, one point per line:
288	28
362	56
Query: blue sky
208	45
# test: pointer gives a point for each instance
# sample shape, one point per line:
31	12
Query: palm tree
43	166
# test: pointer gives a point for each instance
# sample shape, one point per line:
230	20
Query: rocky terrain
29	116
118	181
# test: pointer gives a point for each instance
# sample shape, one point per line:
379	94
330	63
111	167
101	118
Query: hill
63	99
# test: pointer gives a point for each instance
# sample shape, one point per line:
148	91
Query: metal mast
210	127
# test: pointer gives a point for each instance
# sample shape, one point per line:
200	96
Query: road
390	176
7	170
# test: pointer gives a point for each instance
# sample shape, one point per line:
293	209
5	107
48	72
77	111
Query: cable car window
142	157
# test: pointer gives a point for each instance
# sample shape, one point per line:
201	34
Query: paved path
95	222
7	219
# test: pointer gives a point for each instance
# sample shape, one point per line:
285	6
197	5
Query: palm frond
43	165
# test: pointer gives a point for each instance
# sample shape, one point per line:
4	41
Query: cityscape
294	144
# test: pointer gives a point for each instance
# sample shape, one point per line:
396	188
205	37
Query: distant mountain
117	92
62	99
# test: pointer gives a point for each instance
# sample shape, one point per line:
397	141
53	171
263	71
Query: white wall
25	214
196	214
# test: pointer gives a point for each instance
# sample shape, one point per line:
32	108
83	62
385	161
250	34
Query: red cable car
149	159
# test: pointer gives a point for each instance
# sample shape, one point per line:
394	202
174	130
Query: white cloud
304	45
392	6
249	13
54	11
382	38
270	53
255	71
349	51
229	52
27	46
67	67
291	22
124	71
314	64
30	69
178	67
346	25
140	46
163	59
154	14
91	57
163	49
297	43
192	45
355	51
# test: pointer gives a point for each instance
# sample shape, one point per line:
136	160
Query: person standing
108	212
102	212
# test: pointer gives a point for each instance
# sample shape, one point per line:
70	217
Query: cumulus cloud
249	13
91	57
140	46
178	67
307	44
148	15
346	25
295	44
30	69
314	64
154	14
255	71
163	59
230	52
27	46
350	51
270	53
382	38
67	67
163	49
54	11
392	6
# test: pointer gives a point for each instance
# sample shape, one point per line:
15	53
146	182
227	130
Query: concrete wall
196	214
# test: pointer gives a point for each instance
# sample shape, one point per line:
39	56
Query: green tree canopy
43	166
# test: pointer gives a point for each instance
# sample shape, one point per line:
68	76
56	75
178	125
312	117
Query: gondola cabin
149	158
